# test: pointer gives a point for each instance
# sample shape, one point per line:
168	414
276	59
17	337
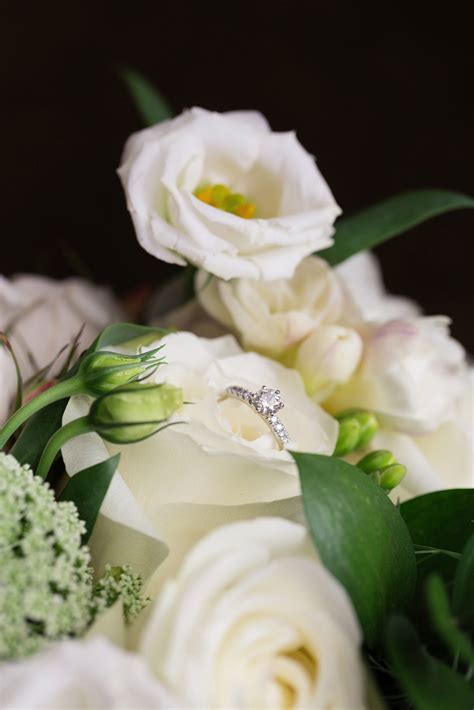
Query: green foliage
360	536
87	490
374	225
428	683
151	106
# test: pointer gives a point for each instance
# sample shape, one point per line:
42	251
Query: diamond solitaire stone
268	401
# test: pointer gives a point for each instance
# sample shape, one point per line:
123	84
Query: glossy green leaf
444	623
37	432
151	106
442	520
463	592
87	490
121	333
428	683
374	225
360	536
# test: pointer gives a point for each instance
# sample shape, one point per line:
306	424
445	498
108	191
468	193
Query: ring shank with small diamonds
266	403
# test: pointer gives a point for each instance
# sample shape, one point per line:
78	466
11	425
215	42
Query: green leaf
445	520
360	536
122	333
463	593
87	490
443	621
429	684
5	342
376	224
37	432
151	106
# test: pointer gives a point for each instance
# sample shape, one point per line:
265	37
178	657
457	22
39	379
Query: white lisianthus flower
219	456
411	374
367	299
81	674
41	316
167	169
274	316
254	620
439	459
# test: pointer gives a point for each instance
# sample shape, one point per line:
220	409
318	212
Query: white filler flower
254	620
224	192
45	577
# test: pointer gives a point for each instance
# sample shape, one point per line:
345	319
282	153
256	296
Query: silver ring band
266	403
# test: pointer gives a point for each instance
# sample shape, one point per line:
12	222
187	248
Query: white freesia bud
42	316
254	620
411	374
273	316
328	358
225	193
81	675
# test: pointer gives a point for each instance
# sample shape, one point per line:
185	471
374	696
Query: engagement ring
266	403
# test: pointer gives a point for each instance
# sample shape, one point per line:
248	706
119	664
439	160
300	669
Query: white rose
42	316
221	456
439	459
274	316
254	620
367	299
328	358
81	674
411	374
163	166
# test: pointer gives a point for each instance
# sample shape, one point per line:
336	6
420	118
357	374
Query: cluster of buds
357	428
97	373
382	467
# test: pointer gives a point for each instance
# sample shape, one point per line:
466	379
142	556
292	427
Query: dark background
381	94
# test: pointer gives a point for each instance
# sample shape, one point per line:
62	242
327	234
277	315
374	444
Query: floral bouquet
263	496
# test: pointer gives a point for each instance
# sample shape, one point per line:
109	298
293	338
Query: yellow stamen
246	211
205	195
221	197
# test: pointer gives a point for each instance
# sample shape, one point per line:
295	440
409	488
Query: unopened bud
102	371
328	358
391	476
134	412
376	461
368	424
348	437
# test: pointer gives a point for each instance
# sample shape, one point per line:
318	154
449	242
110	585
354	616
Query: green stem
64	389
60	437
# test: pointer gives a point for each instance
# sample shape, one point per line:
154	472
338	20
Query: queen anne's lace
120	583
46	588
45	575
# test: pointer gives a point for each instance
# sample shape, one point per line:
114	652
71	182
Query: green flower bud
348	437
103	371
391	476
134	412
368	424
376	461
